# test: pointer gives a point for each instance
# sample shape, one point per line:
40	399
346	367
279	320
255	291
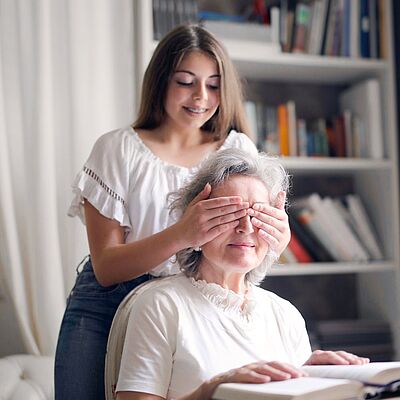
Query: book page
378	372
300	388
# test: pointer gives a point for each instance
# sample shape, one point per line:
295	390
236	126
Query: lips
242	244
196	110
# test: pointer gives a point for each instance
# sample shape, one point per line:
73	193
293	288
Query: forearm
122	262
205	390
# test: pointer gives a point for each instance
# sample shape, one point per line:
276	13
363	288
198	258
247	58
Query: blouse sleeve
104	178
149	347
243	142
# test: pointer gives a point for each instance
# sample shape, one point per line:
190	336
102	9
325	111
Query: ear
281	200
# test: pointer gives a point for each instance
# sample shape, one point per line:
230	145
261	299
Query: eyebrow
193	74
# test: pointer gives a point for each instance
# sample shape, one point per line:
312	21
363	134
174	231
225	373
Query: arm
114	261
259	372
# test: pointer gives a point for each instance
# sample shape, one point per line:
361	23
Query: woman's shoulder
239	140
277	304
122	138
166	289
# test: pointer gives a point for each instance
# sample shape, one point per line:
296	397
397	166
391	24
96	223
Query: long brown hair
166	58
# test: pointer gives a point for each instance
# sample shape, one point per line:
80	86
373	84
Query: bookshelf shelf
334	165
260	62
331	268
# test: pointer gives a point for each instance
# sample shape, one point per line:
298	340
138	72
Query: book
283	129
363	226
328	382
364	100
292	389
298	250
308	240
364	29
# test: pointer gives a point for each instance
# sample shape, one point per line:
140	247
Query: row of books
331	229
348	28
355	132
169	13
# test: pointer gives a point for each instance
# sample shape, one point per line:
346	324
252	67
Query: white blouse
127	182
182	332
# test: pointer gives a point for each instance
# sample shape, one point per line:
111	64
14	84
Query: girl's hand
272	223
205	218
321	357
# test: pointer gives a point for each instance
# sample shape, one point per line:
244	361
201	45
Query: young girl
191	107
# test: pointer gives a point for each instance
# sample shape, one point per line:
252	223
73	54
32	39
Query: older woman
212	324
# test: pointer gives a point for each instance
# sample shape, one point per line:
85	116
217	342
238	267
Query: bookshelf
374	180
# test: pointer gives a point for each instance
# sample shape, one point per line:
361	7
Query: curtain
66	77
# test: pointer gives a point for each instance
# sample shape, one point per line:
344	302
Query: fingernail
250	211
256	206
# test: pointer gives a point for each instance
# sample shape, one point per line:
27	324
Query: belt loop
82	262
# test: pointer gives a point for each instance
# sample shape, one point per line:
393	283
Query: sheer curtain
66	76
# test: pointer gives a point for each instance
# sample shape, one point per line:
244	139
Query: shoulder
120	140
163	292
278	305
239	140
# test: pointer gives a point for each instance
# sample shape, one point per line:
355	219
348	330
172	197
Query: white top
181	332
127	182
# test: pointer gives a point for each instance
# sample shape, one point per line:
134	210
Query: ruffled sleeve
104	179
240	141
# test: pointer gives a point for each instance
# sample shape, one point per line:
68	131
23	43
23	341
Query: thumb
204	194
281	200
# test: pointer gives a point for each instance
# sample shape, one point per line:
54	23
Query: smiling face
193	92
238	250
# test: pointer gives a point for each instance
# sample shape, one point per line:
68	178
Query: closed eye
184	83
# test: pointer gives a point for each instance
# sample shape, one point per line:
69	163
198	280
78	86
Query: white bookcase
376	181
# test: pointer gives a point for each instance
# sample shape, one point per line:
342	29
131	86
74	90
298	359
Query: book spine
283	130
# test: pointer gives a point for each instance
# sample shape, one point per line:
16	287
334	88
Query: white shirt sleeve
104	179
150	343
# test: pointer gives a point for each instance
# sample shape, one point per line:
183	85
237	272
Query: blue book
364	29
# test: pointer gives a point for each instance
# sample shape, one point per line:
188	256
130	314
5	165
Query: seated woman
211	324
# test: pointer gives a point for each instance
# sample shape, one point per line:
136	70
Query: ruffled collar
238	305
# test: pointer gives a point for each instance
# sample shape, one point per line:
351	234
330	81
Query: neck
232	281
180	136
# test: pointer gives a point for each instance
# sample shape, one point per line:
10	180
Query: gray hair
217	169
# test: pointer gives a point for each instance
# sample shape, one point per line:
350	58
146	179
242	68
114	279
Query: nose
245	225
200	91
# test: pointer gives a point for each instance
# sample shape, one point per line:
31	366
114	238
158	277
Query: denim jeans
82	342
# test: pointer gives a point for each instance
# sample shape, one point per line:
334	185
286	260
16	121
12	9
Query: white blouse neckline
146	150
238	305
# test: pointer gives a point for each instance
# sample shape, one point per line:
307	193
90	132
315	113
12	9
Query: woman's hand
205	219
321	357
258	372
272	223
261	372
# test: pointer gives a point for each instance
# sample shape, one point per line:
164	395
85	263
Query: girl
191	107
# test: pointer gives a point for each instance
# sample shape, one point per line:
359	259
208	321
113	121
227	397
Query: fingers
272	224
263	372
204	194
341	357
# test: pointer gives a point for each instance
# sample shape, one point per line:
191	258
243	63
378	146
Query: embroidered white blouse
182	332
127	182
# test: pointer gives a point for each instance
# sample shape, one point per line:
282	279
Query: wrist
179	241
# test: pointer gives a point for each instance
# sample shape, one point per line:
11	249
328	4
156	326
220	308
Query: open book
327	382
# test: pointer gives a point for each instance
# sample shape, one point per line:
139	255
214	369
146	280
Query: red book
302	255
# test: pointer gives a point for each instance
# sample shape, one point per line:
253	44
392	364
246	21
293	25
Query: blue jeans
82	342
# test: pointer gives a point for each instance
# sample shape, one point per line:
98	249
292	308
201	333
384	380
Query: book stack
355	133
366	338
331	229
